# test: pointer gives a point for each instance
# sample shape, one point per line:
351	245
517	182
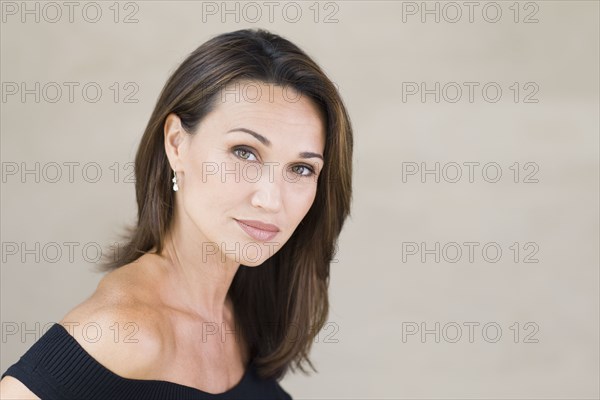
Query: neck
194	279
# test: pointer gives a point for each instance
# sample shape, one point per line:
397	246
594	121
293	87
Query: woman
243	184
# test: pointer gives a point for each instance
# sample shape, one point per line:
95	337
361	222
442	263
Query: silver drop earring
174	180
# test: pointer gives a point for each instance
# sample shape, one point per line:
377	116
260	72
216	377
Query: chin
254	254
251	265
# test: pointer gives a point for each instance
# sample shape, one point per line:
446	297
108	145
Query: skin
151	313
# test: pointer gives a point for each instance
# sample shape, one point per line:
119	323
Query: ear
174	139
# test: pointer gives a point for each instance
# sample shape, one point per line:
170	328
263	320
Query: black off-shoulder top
57	367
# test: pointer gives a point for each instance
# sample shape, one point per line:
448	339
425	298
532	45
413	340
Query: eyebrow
267	142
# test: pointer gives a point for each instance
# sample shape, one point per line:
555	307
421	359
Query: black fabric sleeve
56	367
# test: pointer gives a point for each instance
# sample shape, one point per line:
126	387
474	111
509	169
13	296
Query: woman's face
257	157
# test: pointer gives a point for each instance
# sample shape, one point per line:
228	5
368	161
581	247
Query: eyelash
249	150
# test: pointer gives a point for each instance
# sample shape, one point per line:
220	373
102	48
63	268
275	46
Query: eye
243	152
308	170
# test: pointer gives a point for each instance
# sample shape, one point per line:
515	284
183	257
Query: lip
258	230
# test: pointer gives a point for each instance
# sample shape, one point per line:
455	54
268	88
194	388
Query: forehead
278	112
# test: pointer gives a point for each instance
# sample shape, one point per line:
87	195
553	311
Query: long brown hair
281	305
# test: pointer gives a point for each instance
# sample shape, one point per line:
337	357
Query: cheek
208	194
300	201
203	193
214	190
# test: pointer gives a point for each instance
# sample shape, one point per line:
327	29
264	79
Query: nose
267	194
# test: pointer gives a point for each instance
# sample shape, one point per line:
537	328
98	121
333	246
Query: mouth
258	230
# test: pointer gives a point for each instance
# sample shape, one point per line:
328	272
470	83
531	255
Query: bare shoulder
114	325
12	388
118	327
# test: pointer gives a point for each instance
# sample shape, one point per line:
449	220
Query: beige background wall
547	310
